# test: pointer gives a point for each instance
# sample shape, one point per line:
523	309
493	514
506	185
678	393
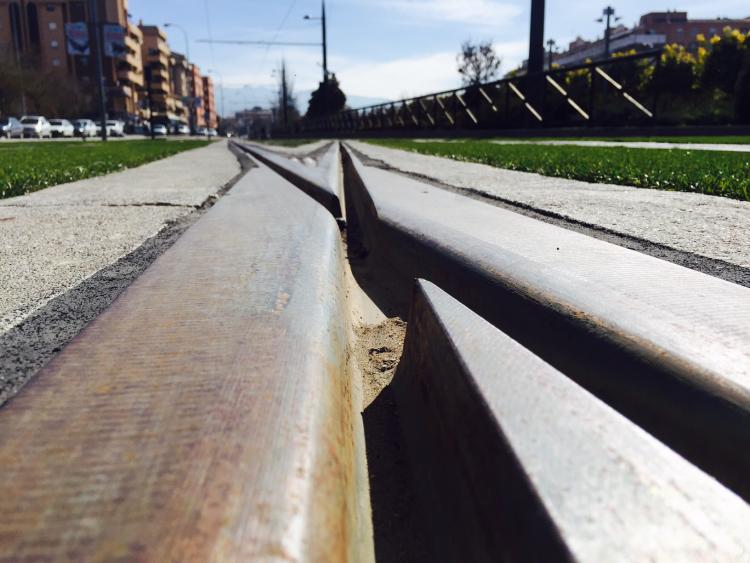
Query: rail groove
666	346
320	183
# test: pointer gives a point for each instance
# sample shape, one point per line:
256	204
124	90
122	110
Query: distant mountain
245	97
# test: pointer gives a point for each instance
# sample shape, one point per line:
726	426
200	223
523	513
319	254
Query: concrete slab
635	145
187	178
47	250
705	225
66	252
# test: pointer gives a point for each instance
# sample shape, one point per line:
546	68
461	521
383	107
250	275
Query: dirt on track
377	351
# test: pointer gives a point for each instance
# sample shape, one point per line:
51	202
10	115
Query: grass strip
693	139
31	166
719	173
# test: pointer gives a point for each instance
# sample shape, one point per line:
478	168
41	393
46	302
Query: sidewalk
68	250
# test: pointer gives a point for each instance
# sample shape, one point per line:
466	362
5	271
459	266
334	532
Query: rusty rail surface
314	181
515	462
207	415
667	346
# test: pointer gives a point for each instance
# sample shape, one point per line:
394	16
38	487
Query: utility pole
536	56
98	56
147	75
325	42
608	13
17	19
284	96
536	38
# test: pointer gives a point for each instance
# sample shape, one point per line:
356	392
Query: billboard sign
77	39
114	40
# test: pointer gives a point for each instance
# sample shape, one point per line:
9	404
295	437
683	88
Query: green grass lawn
711	172
27	167
715	140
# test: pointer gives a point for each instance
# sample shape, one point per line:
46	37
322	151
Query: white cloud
415	76
480	13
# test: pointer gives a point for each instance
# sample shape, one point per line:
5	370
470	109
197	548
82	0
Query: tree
285	106
723	61
478	63
327	99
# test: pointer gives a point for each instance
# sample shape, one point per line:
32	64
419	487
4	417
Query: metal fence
613	92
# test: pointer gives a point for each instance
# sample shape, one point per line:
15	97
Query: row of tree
25	89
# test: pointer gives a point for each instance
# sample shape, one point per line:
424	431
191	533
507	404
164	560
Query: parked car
182	129
84	128
115	128
61	128
10	128
212	132
201	131
160	129
36	126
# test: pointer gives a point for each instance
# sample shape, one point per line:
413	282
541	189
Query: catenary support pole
98	55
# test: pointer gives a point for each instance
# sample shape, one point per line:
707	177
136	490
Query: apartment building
654	30
32	33
196	81
209	103
156	57
179	72
676	27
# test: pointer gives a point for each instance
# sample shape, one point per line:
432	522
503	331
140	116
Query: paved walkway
634	145
705	225
58	240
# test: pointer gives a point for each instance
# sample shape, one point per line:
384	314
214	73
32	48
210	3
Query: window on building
15	26
32	18
53	26
54	44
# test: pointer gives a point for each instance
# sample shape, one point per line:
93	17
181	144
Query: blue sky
380	49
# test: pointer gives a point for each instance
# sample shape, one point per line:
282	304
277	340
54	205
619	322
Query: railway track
558	398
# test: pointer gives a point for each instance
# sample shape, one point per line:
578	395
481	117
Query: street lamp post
191	86
607	15
551	44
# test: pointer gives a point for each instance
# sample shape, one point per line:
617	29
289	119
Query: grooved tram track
558	397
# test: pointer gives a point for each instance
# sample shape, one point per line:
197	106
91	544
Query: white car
212	132
182	129
84	128
115	128
35	126
61	128
160	129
